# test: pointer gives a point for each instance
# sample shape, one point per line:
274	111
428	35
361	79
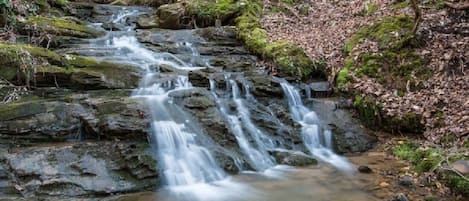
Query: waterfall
316	137
240	124
182	160
189	169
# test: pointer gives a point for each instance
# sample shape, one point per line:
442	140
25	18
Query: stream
189	169
219	129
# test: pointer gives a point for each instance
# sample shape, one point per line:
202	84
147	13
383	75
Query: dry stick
418	15
291	10
463	6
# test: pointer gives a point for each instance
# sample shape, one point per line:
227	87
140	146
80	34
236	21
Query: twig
463	6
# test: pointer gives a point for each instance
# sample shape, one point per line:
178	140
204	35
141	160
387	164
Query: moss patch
423	159
23	63
390	33
21	109
61	27
291	59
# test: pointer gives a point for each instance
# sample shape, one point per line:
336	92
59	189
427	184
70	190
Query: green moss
291	59
343	77
213	8
368	111
396	64
21	109
423	159
400	4
456	183
15	59
391	32
371	8
63	27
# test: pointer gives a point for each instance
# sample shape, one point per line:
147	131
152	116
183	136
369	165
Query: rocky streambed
78	132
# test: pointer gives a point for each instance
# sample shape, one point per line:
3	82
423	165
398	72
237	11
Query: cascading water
258	154
316	138
189	170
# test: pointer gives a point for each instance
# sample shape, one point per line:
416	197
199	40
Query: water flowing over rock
316	138
137	109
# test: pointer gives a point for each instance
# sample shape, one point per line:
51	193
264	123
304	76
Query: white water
257	152
316	138
189	169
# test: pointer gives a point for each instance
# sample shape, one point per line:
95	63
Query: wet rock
364	169
60	27
406	181
147	22
104	117
264	86
170	16
201	105
399	197
110	26
82	169
317	89
348	135
462	166
199	79
293	158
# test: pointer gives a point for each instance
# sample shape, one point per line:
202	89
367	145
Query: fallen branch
463	6
418	15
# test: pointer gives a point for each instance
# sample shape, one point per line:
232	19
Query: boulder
170	16
81	169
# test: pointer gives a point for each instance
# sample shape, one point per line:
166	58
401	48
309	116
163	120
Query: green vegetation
423	159
291	59
62	27
400	4
23	63
213	8
21	109
390	33
395	65
368	111
371	8
456	183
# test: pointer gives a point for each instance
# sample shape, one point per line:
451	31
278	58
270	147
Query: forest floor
325	26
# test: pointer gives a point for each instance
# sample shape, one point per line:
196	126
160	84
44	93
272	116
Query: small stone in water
364	169
383	184
406	181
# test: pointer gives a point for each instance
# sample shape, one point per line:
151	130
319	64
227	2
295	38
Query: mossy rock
60	27
291	59
370	113
390	33
23	64
395	65
21	109
206	12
